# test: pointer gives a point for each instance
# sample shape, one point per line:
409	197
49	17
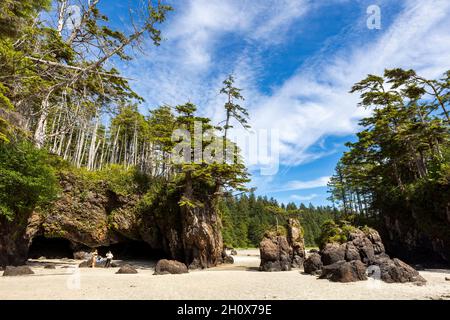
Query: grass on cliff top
117	178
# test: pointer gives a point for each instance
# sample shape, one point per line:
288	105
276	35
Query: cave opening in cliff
133	250
50	248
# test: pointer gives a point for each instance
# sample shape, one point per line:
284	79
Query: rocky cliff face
97	217
420	232
13	242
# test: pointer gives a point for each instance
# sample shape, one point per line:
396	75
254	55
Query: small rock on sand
165	266
17	271
127	269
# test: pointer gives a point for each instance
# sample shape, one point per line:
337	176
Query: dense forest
246	218
396	175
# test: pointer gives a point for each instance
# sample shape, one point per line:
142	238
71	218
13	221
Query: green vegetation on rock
27	180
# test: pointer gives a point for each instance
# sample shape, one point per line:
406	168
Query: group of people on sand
96	258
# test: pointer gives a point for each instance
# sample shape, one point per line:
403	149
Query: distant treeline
247	217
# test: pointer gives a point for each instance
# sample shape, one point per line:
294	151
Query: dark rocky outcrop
14	241
349	261
275	253
332	253
297	243
418	230
233	252
344	271
165	266
228	259
201	236
395	270
11	271
313	264
127	269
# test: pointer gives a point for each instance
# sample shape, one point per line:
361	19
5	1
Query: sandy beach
238	281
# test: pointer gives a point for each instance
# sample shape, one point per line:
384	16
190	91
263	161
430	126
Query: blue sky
296	61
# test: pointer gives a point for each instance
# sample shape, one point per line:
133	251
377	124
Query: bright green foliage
332	231
15	15
233	110
116	178
402	151
210	175
27	180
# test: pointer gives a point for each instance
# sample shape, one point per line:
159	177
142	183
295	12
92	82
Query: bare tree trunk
62	5
92	147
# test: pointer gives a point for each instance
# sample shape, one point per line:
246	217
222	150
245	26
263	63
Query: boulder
351	252
395	270
313	264
362	243
228	259
269	250
344	271
332	253
275	253
165	266
127	269
296	241
11	271
233	252
375	238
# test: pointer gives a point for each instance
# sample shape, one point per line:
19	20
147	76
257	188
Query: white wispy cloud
304	185
304	198
315	103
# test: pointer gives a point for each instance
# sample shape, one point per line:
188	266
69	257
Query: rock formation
201	236
313	264
227	258
92	215
11	271
297	243
344	271
127	269
165	266
349	261
419	232
280	253
275	253
395	270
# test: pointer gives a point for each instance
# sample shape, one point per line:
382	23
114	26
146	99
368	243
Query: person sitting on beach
109	257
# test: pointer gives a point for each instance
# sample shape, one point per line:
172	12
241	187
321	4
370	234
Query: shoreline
239	281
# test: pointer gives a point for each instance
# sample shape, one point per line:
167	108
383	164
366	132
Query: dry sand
238	281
